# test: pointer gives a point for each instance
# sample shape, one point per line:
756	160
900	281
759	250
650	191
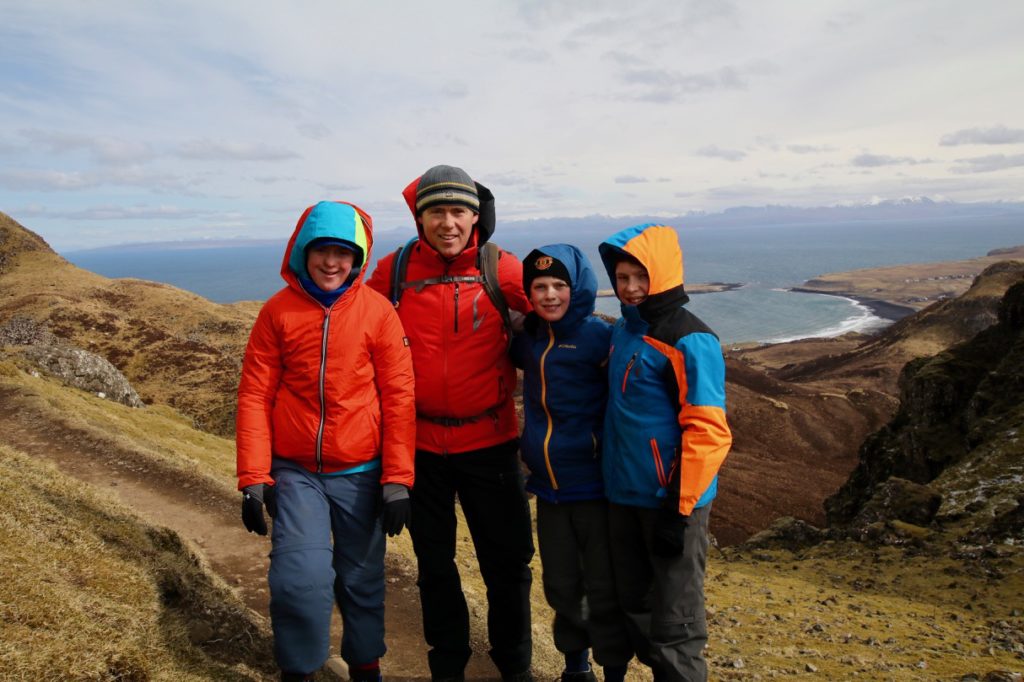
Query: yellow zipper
544	404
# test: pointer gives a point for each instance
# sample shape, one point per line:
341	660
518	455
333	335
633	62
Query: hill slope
958	431
175	347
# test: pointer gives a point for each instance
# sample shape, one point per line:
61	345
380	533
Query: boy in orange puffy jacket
326	431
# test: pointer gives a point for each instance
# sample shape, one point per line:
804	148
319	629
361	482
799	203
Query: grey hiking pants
663	597
578	582
309	573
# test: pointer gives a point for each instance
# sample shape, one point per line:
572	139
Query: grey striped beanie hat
446	185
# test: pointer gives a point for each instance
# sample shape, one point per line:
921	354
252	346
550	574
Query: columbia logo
567	345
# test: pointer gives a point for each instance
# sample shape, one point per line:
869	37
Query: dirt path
210	519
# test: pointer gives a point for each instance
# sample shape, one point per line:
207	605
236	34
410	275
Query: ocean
765	259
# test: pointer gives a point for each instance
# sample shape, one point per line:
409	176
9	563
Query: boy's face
631	282
447	228
550	297
329	265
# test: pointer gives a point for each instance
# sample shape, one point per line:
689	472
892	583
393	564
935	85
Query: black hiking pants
489	487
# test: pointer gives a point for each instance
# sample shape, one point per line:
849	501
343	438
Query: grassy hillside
176	348
91	592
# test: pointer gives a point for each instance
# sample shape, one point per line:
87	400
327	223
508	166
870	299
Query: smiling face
631	282
550	297
447	228
329	265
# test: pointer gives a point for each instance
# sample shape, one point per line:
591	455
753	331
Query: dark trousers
489	487
578	582
663	597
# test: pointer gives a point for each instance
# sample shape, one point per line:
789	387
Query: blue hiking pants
308	573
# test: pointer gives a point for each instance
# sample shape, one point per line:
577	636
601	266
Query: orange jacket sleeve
261	374
395	380
699	370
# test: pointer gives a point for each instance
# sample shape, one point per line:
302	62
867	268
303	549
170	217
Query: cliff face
958	432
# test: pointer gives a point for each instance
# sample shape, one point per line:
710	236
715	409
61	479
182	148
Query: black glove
253	499
397	510
669	530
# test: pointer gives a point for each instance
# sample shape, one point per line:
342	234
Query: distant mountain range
906	208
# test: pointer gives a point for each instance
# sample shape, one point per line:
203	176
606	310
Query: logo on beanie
543	263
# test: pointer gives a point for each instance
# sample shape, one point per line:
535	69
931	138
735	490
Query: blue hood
582	281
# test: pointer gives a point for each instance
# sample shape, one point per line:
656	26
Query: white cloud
716	152
104	149
874	160
104	213
630	180
46	181
210	150
998	134
809	148
313	131
989	164
546	102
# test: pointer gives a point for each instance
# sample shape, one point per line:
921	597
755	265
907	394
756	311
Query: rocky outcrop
73	366
84	370
786	533
956	432
898	499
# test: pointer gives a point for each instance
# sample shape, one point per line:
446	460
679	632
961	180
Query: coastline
694	289
886	310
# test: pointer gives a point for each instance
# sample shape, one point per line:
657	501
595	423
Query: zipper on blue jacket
629	366
323	398
547	412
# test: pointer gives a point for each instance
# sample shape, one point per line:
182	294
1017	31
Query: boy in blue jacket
666	437
563	353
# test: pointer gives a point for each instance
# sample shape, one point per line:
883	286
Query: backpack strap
486	261
398	269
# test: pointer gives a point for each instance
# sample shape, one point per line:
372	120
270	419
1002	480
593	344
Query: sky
128	121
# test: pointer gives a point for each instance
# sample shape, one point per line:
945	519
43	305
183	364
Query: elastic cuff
394	491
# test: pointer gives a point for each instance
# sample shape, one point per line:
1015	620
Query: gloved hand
669	530
397	510
253	499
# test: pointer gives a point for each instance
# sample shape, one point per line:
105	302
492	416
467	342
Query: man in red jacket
466	429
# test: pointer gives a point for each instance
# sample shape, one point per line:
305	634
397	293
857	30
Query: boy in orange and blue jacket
326	430
666	437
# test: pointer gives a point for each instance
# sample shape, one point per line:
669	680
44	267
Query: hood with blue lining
582	284
328	222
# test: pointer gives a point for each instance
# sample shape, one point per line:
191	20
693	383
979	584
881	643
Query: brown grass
91	593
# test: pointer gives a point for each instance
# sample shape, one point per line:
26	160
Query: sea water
767	260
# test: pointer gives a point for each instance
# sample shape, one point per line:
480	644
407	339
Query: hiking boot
584	676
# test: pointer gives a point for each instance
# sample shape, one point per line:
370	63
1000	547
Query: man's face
447	228
550	297
329	265
631	282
